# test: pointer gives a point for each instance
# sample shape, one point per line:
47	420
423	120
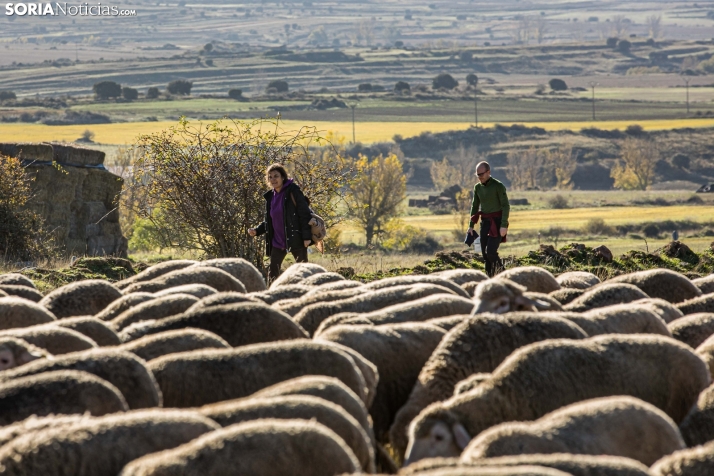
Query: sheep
213	277
477	345
420	279
703	303
698	426
57	392
16	279
258	448
533	278
122	369
322	278
219	299
238	324
667	311
311	316
327	388
544	376
24	292
83	447
153	272
577	280
55	340
661	283
241	269
502	295
171	342
436	305
706	351
553	304
469	383
198	291
602	426
292	307
196	378
462	276
293	407
449	322
289	291
693	329
697	461
37	424
705	284
367	369
335	286
17	352
618	319
296	273
18	312
575	465
122	304
523	470
606	294
158	308
3	294
399	351
91	327
567	295
81	298
470	288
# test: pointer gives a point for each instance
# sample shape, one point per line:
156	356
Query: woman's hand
307	243
252	232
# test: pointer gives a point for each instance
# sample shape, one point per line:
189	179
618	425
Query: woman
287	220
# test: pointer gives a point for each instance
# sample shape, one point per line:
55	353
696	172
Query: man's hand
504	231
252	232
307	243
312	222
471	231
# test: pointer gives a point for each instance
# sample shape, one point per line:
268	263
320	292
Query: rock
604	253
75	195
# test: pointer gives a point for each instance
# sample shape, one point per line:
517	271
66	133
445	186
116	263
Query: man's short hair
485	164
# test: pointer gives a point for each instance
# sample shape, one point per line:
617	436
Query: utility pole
592	85
476	111
686	81
353	106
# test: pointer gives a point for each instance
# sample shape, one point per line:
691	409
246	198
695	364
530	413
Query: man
490	195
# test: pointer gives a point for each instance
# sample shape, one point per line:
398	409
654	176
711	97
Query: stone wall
75	194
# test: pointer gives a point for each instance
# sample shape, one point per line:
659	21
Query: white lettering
21	9
8	9
61	8
32	9
48	9
73	10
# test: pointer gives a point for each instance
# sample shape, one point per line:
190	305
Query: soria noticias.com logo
66	9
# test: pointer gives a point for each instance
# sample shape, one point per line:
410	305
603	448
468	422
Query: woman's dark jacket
296	219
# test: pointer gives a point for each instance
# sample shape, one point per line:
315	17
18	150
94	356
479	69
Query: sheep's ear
460	435
527	302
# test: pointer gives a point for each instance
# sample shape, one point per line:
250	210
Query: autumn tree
561	161
23	233
457	168
376	192
636	168
525	168
654	26
202	186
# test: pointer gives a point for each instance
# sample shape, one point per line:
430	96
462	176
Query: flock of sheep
197	368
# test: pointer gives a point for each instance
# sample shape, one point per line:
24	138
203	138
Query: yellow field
366	132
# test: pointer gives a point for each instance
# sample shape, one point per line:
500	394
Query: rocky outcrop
75	194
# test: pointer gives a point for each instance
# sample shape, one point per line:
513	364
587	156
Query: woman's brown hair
279	168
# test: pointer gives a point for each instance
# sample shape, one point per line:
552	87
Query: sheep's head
501	295
436	434
13	354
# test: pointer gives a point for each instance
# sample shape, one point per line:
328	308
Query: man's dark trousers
489	247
